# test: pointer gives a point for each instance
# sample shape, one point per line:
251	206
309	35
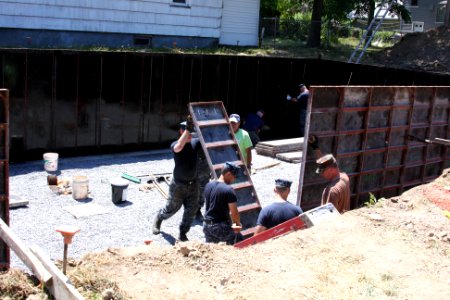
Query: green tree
316	24
368	7
269	8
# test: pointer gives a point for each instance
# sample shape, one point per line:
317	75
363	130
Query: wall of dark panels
80	102
4	173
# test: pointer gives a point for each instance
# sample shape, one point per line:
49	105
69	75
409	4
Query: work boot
157	225
199	216
182	237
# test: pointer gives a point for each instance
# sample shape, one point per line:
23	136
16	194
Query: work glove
313	141
288	97
190	124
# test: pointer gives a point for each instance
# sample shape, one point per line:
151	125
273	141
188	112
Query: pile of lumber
273	148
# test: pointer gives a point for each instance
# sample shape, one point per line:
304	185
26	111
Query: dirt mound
397	248
426	51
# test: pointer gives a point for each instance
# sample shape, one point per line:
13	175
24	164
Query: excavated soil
398	248
425	51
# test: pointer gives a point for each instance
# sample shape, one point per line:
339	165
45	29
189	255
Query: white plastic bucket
80	187
119	190
51	161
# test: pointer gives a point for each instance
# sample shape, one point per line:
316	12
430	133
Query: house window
440	14
181	3
414	2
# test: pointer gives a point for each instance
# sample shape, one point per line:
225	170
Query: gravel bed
125	224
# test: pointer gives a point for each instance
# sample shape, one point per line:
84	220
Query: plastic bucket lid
51	155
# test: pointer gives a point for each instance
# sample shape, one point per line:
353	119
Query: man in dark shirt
183	189
279	211
221	203
302	100
253	125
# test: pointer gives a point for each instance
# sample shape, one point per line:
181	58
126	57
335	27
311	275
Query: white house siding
151	17
240	23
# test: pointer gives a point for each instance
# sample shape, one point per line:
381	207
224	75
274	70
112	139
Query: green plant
372	200
384	36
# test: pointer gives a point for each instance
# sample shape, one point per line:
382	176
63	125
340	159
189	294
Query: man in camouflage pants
183	189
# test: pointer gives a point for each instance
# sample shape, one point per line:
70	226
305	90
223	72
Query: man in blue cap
302	101
183	189
220	206
280	210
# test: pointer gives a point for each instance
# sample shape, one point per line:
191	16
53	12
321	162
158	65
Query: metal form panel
87	102
293	224
367	129
4	172
220	145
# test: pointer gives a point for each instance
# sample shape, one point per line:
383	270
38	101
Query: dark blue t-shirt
186	161
217	197
302	100
277	213
253	122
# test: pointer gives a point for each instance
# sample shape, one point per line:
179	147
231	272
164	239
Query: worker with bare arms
243	139
183	189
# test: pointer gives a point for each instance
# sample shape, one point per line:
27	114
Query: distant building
425	14
128	23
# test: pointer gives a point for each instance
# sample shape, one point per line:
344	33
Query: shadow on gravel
169	238
87	200
90	162
124	203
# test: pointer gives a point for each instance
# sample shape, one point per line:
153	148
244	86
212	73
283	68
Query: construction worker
302	100
243	139
338	189
183	189
220	205
253	125
280	210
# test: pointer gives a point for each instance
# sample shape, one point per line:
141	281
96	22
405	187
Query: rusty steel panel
367	129
4	173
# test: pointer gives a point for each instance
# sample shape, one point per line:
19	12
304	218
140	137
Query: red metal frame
281	229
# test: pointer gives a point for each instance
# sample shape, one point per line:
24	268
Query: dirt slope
398	248
426	51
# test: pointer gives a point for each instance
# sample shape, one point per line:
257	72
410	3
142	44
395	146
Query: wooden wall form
367	128
4	172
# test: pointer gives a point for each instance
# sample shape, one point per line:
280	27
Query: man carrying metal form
183	189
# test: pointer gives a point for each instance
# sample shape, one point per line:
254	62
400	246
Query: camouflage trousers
221	232
181	194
